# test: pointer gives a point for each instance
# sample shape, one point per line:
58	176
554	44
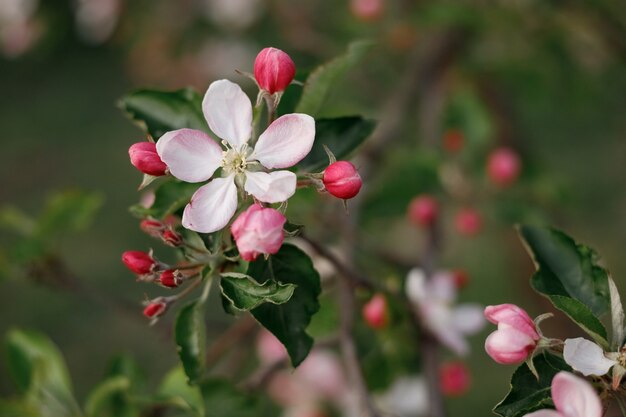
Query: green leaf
40	373
158	112
288	322
68	211
565	268
107	399
221	399
15	408
582	316
341	135
244	293
176	391
528	394
170	197
12	218
322	80
191	339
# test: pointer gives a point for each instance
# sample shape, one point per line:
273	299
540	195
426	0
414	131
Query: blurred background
546	78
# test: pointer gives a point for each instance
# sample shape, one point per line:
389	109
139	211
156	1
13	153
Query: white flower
586	357
435	299
192	156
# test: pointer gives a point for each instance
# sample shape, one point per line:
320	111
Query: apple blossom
273	70
423	210
572	397
192	156
503	166
375	312
468	222
586	357
140	263
144	157
434	299
342	180
516	337
258	231
454	378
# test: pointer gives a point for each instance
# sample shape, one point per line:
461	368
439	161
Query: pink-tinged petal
586	357
212	206
191	155
274	187
512	315
468	318
228	111
441	286
286	141
509	346
544	413
575	397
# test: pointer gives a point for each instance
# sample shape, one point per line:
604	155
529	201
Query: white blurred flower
407	397
434	300
96	19
233	14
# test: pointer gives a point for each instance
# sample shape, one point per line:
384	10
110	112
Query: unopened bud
170	278
342	180
453	140
172	238
375	312
503	166
155	308
144	156
423	210
273	70
367	10
151	227
468	222
460	278
138	262
454	379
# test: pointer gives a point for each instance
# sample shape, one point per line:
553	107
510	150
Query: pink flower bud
151	227
155	308
423	210
367	10
144	156
503	166
375	312
342	180
172	238
454	379
139	262
169	278
453	140
258	231
468	222
516	337
273	70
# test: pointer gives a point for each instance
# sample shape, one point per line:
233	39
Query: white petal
212	206
286	141
416	286
574	396
190	155
586	357
442	287
274	187
468	318
228	111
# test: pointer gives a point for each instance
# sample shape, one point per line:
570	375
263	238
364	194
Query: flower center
235	161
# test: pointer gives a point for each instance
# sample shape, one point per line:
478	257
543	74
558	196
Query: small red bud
423	210
460	278
454	379
367	10
172	238
503	166
170	278
468	222
144	156
342	180
155	309
152	227
139	262
273	70
453	140
375	312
